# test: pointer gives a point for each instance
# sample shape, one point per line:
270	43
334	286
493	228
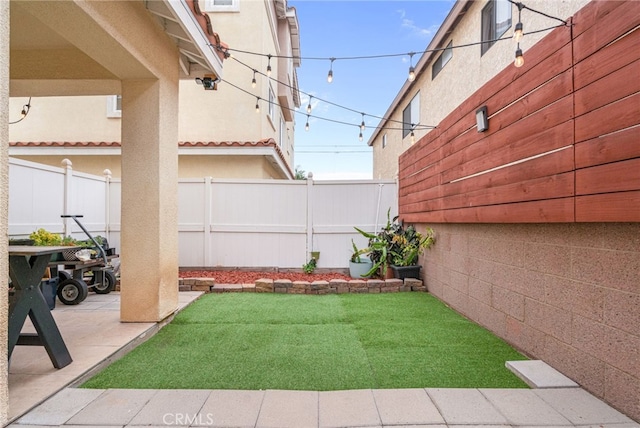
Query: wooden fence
563	143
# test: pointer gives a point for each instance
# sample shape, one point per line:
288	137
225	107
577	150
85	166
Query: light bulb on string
257	104
519	61
412	71
518	32
362	125
253	81
306	127
360	137
413	137
330	75
309	105
269	66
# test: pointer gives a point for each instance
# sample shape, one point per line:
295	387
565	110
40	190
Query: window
411	115
272	100
442	60
384	141
496	20
114	106
222	5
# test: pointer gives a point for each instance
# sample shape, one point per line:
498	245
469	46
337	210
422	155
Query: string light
24	112
253	81
412	71
413	137
306	127
309	105
269	66
257	104
518	31
330	74
362	125
519	61
360	136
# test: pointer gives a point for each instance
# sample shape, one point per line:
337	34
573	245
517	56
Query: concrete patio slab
229	408
538	374
465	407
524	407
580	407
289	409
348	408
406	406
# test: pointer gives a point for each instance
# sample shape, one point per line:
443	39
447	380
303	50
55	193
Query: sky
339	28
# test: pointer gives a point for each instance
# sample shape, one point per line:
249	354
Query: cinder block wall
568	294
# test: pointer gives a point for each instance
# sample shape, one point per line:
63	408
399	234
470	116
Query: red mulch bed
248	277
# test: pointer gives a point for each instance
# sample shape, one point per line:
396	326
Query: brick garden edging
286	286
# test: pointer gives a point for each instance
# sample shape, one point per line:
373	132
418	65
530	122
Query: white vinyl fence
221	223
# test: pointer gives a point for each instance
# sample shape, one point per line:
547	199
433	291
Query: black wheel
102	281
72	291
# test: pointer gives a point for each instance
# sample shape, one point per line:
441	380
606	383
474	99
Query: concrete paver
461	406
230	408
538	374
114	407
348	408
524	407
61	407
283	409
172	407
406	406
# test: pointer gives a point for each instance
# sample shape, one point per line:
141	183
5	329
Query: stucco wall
565	293
4	213
463	74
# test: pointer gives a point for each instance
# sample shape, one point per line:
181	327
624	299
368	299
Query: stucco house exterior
446	74
139	50
537	211
219	133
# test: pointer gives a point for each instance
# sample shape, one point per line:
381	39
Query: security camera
210	83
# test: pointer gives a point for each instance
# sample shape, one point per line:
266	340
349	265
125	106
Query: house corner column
4	210
149	217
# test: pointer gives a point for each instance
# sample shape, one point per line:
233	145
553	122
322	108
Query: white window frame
283	131
413	111
384	141
112	106
490	28
442	60
272	101
211	6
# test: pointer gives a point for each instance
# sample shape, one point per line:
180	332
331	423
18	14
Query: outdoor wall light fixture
209	82
482	122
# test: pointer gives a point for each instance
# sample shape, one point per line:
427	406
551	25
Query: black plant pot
402	272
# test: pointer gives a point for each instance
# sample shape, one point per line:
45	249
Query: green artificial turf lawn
319	343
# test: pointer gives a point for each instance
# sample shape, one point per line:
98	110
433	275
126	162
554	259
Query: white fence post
67	196
309	215
208	221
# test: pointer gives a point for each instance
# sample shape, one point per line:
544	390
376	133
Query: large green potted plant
397	247
407	245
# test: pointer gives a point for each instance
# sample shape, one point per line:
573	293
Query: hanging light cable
309	105
362	125
330	75
306	126
269	66
360	136
412	71
257	104
253	81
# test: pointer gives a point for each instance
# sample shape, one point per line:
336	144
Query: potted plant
407	245
397	247
359	265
